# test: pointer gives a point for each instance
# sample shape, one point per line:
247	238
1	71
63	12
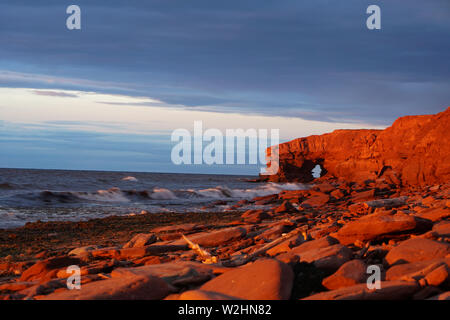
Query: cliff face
415	150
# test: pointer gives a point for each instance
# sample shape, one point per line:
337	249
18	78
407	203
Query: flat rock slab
127	288
435	214
314	244
379	226
265	279
390	290
329	258
417	249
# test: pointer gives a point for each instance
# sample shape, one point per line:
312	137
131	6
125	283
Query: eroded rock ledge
413	151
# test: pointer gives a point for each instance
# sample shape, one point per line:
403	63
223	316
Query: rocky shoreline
310	244
375	226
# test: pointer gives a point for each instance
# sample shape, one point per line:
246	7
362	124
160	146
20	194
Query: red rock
286	245
314	244
179	227
363	196
417	249
390	290
442	296
204	295
329	258
438	276
324	187
316	201
172	272
442	229
399	271
285	207
265	279
435	214
127	288
410	152
337	194
349	274
41	268
379	226
215	238
255	216
141	240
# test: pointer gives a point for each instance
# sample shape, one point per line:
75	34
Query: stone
349	274
175	273
442	296
363	196
380	226
216	237
285	207
328	258
42	268
438	276
316	200
324	187
314	244
417	249
410	152
255	216
442	229
126	288
286	245
407	270
204	295
264	279
141	240
390	290
435	214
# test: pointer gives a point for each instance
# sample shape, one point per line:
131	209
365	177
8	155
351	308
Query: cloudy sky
108	96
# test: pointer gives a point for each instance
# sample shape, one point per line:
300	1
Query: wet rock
265	279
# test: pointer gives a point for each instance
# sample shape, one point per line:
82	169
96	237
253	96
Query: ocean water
28	195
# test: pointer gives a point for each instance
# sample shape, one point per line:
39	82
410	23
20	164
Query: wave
116	195
130	178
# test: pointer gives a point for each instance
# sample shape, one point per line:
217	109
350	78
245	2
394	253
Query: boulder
265	279
314	244
379	226
126	288
215	238
435	214
285	207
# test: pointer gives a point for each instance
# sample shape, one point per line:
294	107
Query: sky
108	96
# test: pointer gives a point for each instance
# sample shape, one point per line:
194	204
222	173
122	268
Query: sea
29	195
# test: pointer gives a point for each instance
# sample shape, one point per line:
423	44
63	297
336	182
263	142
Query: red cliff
415	150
